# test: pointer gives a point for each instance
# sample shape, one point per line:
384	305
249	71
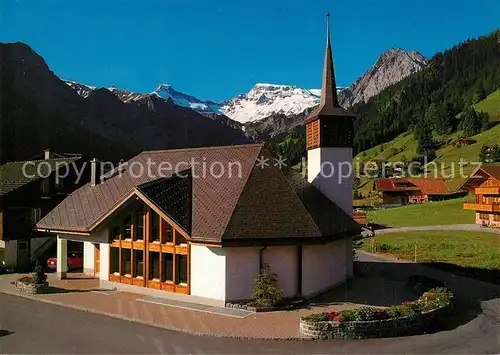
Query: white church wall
324	266
283	261
208	272
335	184
242	268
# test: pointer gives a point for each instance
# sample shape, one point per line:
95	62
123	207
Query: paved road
451	227
29	326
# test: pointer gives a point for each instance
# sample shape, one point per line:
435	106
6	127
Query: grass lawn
466	249
425	214
490	105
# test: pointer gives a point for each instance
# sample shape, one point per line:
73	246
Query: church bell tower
329	140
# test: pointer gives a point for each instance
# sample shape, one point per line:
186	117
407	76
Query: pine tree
473	122
495	153
267	291
480	94
484	154
426	144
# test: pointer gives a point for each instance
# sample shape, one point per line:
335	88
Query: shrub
316	317
38	275
266	290
348	315
363	314
403	310
437	297
441	292
370	313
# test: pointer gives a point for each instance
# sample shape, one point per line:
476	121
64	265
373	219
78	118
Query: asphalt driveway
29	326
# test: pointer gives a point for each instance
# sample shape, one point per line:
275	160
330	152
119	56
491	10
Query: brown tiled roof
252	203
12	175
386	184
328	217
492	170
479	176
428	186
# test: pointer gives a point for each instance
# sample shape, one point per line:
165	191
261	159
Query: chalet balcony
487	190
482	207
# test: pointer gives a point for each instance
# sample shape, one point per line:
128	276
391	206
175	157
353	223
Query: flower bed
286	305
369	322
28	286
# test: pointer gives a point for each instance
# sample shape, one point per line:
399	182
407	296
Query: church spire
329	102
328	88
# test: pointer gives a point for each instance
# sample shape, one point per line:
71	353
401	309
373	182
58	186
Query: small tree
484	154
38	275
495	153
357	244
267	291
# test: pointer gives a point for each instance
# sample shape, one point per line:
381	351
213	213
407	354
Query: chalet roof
386	184
249	203
480	175
492	170
12	175
329	104
428	186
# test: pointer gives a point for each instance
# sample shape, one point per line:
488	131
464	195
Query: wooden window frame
147	245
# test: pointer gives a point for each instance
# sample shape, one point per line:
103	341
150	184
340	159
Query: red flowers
405	303
334	316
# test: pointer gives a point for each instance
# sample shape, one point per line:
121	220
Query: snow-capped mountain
163	91
166	91
82	89
265	100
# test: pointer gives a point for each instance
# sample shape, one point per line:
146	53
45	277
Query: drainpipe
260	257
299	270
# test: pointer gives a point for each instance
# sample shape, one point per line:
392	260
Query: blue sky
215	49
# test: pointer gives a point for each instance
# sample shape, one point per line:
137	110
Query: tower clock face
336	131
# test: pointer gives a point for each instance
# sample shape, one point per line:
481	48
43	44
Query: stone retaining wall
30	288
373	329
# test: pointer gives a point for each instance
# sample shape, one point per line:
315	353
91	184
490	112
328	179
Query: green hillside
465	78
429	214
404	148
491	105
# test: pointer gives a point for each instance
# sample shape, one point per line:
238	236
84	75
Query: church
203	236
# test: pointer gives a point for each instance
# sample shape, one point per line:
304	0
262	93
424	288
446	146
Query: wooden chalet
486	183
403	191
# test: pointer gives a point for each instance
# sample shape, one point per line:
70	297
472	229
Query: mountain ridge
41	111
265	100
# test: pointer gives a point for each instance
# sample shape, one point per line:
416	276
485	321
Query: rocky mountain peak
391	67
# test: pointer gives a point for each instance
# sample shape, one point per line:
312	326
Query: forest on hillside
438	98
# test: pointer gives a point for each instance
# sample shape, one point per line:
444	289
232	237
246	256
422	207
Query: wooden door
97	259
